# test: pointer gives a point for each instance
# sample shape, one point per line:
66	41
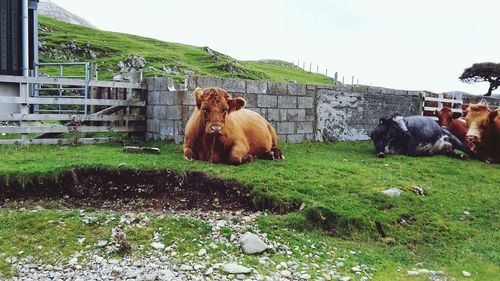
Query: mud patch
132	189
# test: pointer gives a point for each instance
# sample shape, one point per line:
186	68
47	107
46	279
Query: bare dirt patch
132	189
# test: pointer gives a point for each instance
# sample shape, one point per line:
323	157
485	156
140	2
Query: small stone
394	191
73	261
186	267
102	243
413	273
252	244
466	213
286	273
356	269
202	252
305	276
466	274
340	264
157	245
209	271
165	275
234	268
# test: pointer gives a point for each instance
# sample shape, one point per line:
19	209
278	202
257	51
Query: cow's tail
457	144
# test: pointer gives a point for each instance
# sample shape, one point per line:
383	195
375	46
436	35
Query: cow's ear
197	94
456	115
236	104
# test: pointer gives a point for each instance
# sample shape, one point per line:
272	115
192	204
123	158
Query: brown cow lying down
451	121
221	130
483	134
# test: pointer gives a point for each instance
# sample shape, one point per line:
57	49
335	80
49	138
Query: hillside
49	9
113	53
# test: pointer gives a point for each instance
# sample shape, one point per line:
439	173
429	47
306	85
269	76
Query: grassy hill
62	42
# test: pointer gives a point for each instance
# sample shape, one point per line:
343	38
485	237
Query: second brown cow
221	130
451	120
483	133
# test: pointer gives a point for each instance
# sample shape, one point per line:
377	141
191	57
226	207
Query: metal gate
79	70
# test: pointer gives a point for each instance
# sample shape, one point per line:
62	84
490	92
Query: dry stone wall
298	112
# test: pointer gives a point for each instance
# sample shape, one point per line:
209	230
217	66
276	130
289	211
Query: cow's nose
216	129
472	139
380	155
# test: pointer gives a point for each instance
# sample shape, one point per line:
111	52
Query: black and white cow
414	136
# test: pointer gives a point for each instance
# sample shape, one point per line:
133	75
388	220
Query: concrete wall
297	112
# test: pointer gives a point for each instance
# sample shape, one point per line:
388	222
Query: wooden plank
67	129
73	101
431	108
58	141
67	117
443	100
69	82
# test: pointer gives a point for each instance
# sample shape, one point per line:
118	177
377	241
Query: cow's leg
239	154
189	154
275	152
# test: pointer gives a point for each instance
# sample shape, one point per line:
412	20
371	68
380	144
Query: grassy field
454	227
111	48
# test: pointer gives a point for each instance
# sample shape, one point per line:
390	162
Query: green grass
340	185
112	47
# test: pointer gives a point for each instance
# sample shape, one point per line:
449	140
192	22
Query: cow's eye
206	110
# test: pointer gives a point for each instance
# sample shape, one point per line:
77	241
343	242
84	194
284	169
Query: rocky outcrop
49	9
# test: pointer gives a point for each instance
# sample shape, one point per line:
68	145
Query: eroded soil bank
132	189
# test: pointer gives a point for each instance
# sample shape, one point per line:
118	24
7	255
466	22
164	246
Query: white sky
414	45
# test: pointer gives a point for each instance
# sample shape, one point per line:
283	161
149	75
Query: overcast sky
414	45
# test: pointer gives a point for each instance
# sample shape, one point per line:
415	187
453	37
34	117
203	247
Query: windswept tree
483	72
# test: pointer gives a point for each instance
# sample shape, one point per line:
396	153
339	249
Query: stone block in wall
166	98
305	127
173	112
233	85
160	112
277	88
286	128
281	138
273	114
153	125
191	83
283	115
153	98
305	102
207	82
297	89
167	131
149	111
267	101
251	99
287	101
186	112
295	115
159	84
295	138
183	98
310	114
311	87
256	87
309	137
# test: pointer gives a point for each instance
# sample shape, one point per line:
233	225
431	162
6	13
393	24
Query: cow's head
479	120
215	104
388	130
445	116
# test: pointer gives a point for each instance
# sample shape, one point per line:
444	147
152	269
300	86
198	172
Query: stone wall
298	112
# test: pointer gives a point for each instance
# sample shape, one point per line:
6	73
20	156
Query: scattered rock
393	191
234	268
158	245
418	190
202	252
252	244
466	274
